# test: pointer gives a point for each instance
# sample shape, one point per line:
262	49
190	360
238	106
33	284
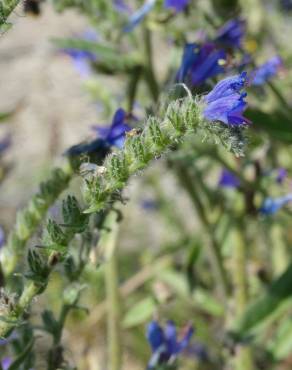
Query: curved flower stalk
181	117
41	263
29	218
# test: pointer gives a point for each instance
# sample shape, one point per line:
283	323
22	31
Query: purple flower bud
281	175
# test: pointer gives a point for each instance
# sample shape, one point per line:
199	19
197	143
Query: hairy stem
29	218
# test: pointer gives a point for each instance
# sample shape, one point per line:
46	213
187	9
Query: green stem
243	359
149	72
108	243
29	218
213	249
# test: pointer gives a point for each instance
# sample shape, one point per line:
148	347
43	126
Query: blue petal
227	87
182	345
228	179
266	71
272	205
2	237
190	55
177	5
155	336
139	15
170	337
231	33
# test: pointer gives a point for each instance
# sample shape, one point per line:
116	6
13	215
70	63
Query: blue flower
228	180
200	62
176	5
231	34
286	4
164	343
266	71
6	362
138	16
225	103
114	135
272	205
82	59
5	143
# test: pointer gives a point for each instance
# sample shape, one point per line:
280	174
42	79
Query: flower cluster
164	343
225	103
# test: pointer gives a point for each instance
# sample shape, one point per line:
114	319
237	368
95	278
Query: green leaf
207	303
4	116
260	310
140	312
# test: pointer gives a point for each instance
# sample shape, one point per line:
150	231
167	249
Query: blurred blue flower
226	102
231	34
164	343
82	59
228	180
114	135
272	205
121	6
177	5
286	4
200	62
5	143
150	205
266	71
138	16
281	175
2	237
6	362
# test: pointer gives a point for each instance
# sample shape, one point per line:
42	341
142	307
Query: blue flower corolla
271	205
138	16
6	362
231	34
176	5
82	59
225	103
228	180
266	71
164	343
5	143
200	62
114	135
